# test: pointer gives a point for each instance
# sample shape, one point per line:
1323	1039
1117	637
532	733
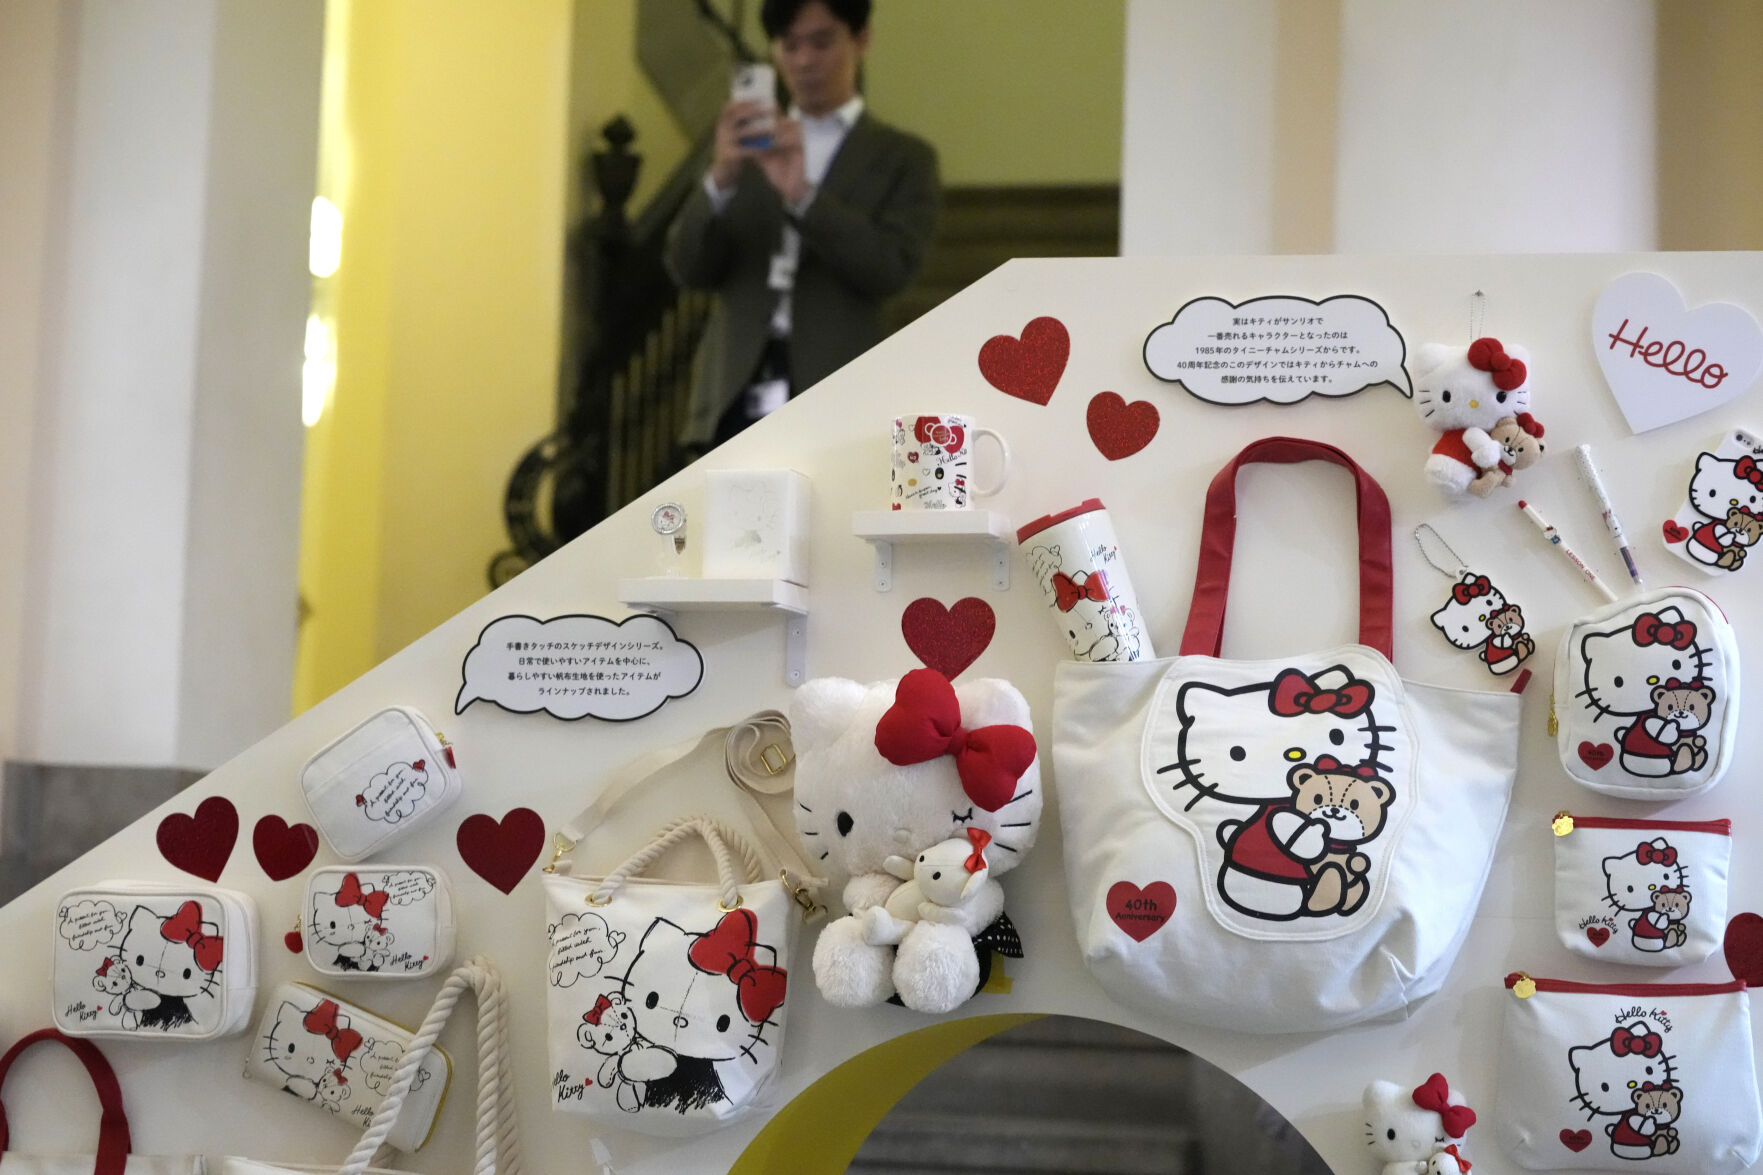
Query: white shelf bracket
795	649
1001	566
884	564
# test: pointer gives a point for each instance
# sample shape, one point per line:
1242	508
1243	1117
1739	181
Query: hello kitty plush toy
1464	393
1419	1131
890	769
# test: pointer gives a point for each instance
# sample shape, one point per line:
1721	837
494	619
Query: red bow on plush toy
1646	854
185	926
1465	592
1435	1095
351	894
1463	1164
322	1021
1295	694
1644	1044
1489	355
979	838
728	950
1067	591
925	722
1649	629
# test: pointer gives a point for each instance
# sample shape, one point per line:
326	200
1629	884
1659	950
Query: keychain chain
1419	541
1478	302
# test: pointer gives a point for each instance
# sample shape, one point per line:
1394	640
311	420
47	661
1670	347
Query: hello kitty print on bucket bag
1277	846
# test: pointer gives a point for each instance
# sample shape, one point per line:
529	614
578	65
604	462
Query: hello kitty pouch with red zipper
1646	699
1649	893
1654	1077
380	781
140	961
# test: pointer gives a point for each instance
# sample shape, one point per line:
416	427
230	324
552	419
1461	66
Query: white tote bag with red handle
1285	845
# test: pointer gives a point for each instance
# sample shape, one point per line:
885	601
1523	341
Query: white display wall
1292	590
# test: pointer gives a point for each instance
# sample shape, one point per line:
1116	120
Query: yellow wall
446	158
1710	124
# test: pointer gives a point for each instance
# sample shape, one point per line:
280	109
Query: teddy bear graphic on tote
1651	884
1628	1077
610	1029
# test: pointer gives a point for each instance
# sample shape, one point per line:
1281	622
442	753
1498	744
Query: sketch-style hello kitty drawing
1097	626
170	962
348	920
114	979
699	1006
312	1049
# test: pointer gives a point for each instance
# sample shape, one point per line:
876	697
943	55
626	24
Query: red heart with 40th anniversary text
1119	429
201	844
1140	913
948	639
1597	756
1576	1140
1674	533
1029	367
501	851
1599	935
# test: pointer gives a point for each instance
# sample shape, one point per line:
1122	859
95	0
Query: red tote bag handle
1218	534
113	1126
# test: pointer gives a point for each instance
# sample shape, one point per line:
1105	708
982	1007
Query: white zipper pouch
1602	1077
383	922
1646	699
138	961
379	782
1650	893
340	1058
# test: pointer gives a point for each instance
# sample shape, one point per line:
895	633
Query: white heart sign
1666	363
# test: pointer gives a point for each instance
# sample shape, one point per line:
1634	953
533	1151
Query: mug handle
1004	469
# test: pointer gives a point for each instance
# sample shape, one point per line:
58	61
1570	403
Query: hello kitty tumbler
1075	558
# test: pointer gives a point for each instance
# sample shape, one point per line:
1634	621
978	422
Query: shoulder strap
1205	631
113	1126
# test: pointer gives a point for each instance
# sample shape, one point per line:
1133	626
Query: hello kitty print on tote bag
1283	845
1646	696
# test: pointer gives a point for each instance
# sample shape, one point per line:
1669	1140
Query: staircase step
930	1143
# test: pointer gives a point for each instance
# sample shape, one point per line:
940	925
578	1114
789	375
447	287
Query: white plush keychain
1418	1131
1477	615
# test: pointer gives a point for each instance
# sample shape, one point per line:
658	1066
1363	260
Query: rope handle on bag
715	833
114	1143
498	1135
1204	634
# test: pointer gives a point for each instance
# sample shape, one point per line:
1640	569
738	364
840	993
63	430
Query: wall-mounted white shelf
663	593
883	528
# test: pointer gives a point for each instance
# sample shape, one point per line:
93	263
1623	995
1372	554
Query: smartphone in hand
755	82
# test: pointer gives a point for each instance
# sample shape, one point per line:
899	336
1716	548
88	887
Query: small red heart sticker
948	639
1140	913
1674	533
501	851
283	849
201	844
1027	368
1597	756
419	765
294	942
1119	429
1576	1140
1744	948
1599	935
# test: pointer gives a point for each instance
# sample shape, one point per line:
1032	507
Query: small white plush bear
945	883
1463	393
1417	1132
885	769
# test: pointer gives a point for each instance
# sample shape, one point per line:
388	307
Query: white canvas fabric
142	961
339	1058
666	1000
378	922
1649	893
1651	1077
379	781
1277	846
1646	699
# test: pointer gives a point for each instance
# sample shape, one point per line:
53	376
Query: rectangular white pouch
1653	1077
1650	893
666	1001
1646	699
378	922
340	1058
379	781
141	961
1277	846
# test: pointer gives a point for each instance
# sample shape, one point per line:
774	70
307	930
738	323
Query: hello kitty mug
933	464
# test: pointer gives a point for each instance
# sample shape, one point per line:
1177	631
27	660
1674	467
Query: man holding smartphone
804	225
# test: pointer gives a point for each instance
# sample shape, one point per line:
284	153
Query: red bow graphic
1646	854
930	430
925	722
600	1005
1295	694
322	1021
1747	469
1331	764
350	895
1487	354
1650	630
1067	590
104	967
1660	1085
728	950
1463	1164
1645	1044
1465	592
979	838
185	926
1674	683
1435	1095
1669	889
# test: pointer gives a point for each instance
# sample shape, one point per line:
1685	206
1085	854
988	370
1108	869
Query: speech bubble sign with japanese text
580	666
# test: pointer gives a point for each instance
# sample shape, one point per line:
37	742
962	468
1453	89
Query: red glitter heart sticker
1120	429
1674	533
501	851
1744	948
1597	756
1027	368
201	844
283	849
948	639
